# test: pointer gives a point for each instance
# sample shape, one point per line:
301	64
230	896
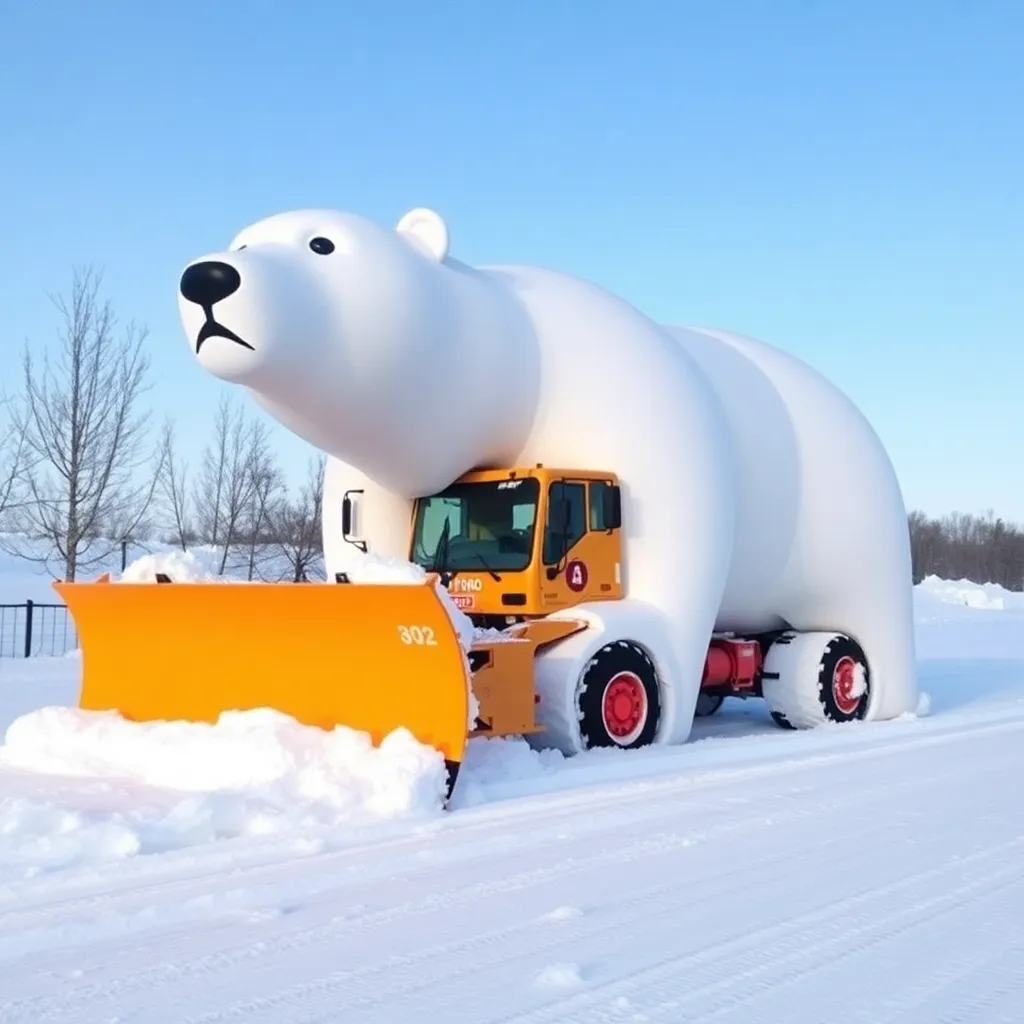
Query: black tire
810	680
451	770
618	685
781	720
707	704
840	707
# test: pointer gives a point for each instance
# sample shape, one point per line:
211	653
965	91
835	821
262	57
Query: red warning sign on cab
576	575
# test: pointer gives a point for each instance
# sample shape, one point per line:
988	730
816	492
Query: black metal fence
31	630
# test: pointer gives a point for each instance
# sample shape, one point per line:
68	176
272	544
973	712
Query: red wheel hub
844	685
624	706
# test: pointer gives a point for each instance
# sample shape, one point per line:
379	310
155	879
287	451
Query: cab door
580	551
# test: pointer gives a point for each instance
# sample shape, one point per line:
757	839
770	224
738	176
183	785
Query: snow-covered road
868	873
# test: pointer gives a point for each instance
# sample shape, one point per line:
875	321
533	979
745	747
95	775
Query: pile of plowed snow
952	613
963	593
166	785
181	566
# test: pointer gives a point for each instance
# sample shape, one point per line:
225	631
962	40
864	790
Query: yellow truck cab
515	544
511	546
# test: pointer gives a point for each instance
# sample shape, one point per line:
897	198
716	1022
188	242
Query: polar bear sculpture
755	497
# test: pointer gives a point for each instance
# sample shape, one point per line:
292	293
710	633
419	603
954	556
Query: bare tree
210	486
235	492
12	459
298	528
237	484
264	492
172	487
84	436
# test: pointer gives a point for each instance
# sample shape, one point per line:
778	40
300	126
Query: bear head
368	342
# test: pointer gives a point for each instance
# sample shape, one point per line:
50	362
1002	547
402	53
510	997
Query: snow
181	566
257	870
560	976
985	597
254	773
860	685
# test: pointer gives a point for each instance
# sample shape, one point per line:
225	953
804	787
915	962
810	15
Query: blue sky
840	179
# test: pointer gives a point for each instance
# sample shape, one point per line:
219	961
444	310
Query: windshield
490	527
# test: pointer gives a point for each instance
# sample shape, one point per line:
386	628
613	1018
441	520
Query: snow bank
492	763
953	616
980	596
252	773
181	566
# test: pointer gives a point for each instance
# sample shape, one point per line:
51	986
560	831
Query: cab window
435	512
489	526
598	489
559	537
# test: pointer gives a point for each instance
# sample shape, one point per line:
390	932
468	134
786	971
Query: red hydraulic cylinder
718	669
731	663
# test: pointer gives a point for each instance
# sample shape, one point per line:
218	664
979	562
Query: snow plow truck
509	547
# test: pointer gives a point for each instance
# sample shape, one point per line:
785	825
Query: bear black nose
208	282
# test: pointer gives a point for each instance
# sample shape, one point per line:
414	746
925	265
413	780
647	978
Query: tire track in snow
331	989
662	900
554	808
956	1008
856	941
971	1010
182	971
800	946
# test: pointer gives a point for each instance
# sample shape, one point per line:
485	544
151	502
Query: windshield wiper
483	562
441	553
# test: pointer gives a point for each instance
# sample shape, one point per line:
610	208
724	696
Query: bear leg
882	626
630	679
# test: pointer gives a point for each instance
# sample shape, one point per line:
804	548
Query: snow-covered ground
258	871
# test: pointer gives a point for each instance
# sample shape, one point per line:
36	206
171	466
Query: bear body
755	496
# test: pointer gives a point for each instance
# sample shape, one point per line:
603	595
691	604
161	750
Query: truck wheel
618	701
810	679
708	704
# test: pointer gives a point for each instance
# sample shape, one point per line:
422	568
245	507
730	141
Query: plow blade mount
372	657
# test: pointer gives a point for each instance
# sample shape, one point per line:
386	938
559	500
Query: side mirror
351	508
611	511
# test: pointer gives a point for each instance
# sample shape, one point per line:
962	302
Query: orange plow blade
372	657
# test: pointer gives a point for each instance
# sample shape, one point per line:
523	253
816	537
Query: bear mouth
212	329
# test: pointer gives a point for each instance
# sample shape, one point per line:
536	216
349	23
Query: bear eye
321	246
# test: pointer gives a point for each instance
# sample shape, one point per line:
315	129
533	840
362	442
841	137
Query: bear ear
426	229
